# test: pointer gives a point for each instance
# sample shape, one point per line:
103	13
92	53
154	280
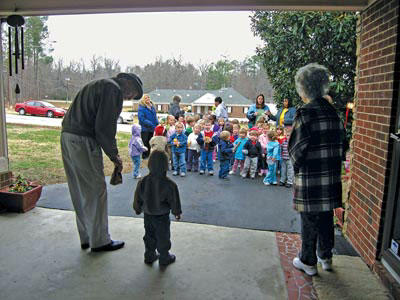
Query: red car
43	108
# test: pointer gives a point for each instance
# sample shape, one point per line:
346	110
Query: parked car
125	117
43	108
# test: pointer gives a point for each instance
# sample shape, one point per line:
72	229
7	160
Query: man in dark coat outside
175	110
90	126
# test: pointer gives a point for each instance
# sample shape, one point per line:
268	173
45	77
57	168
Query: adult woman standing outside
285	115
147	116
316	147
257	110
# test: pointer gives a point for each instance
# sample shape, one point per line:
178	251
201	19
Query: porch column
5	173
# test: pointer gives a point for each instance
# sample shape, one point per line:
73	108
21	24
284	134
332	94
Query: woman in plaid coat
316	147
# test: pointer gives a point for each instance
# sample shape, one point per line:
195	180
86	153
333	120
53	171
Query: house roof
200	97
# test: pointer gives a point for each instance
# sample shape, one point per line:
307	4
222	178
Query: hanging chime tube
16	53
22	49
9	51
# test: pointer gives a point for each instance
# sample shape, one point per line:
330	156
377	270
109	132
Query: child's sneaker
167	261
260	174
231	172
189	170
175	173
137	176
194	171
288	185
267	183
281	183
201	172
325	263
253	177
211	173
183	174
309	270
243	176
274	183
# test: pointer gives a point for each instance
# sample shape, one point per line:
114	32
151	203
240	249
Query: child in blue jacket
207	142
224	154
273	156
237	149
179	142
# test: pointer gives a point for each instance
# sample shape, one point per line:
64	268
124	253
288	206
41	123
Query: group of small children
193	141
194	144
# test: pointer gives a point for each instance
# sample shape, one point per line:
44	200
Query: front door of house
391	234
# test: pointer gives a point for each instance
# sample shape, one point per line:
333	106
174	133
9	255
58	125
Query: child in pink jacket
263	140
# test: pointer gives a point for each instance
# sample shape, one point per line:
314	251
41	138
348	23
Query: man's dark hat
136	80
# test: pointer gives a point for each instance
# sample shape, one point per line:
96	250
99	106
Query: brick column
375	109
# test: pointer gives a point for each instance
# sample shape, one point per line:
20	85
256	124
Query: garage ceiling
58	7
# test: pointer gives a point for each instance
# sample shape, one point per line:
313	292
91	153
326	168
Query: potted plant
20	196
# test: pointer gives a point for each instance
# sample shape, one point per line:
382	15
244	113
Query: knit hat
159	130
136	81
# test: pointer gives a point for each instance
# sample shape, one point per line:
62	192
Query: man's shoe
175	173
114	245
137	176
309	270
195	171
201	172
189	170
231	172
267	183
183	174
151	259
211	173
288	185
167	261
281	183
274	183
85	246
325	263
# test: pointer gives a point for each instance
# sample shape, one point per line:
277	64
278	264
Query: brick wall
374	116
5	179
237	112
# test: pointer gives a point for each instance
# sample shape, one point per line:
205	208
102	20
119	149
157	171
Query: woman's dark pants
317	234
146	136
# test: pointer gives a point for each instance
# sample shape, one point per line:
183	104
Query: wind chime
16	22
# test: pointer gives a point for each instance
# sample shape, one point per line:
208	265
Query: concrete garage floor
41	259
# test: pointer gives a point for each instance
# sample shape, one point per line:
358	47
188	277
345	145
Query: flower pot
20	202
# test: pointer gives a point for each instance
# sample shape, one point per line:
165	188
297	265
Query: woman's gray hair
312	81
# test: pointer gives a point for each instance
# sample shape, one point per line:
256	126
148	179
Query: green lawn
35	153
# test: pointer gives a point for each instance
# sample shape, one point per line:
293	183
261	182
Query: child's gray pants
250	163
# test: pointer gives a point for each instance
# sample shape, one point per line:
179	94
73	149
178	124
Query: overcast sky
139	38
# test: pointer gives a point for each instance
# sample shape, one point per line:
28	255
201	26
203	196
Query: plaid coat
317	146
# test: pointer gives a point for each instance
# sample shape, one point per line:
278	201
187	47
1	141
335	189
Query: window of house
159	107
229	109
199	109
245	110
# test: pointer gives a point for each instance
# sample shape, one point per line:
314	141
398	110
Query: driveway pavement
240	203
51	122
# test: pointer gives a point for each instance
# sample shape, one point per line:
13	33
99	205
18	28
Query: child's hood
136	130
158	163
